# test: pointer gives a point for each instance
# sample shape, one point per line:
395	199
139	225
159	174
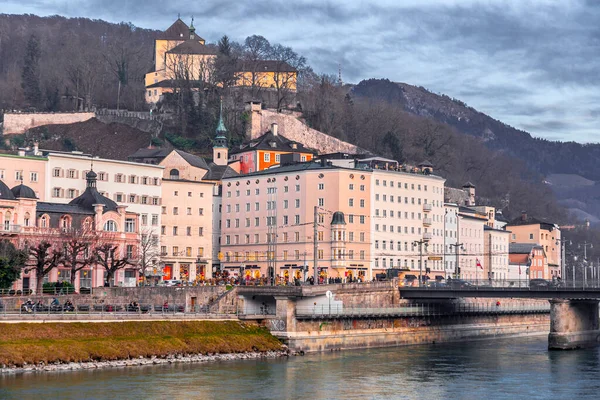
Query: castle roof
192	46
178	31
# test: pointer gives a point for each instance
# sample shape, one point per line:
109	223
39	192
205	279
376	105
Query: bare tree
45	254
78	246
148	252
285	75
108	256
256	49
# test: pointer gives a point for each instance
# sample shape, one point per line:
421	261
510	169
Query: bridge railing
420	310
505	284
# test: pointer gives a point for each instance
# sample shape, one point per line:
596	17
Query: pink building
268	222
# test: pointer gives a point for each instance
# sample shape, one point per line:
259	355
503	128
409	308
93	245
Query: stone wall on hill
290	126
18	123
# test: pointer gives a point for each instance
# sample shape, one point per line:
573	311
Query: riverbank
96	345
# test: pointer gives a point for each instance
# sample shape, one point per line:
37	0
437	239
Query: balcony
12	229
427	236
427	207
427	221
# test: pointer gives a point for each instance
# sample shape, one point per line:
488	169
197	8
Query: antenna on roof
178	15
340	82
92	165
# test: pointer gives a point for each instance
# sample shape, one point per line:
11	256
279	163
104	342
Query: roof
500	217
338	218
304	166
264	65
454	195
191	46
425	163
23	192
219	172
468	185
91	196
178	31
489	228
145	152
5	192
43	207
272	142
193	160
531	221
522	248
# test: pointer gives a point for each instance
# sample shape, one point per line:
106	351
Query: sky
533	64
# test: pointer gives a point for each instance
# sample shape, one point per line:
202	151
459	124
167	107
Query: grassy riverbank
80	342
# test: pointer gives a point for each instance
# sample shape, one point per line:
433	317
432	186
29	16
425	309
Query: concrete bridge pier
573	324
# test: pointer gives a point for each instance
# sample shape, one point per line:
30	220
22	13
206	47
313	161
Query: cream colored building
496	253
407	222
29	170
471	255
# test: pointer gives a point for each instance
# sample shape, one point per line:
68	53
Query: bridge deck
501	292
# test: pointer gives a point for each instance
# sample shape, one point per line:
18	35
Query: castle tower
469	188
338	240
220	149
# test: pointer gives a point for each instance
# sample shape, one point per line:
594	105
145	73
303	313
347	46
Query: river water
517	368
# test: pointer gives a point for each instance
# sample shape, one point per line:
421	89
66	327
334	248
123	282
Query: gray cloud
534	64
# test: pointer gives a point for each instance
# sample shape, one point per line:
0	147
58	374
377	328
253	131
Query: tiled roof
304	166
192	47
218	172
178	31
268	141
43	207
193	160
522	248
530	221
150	153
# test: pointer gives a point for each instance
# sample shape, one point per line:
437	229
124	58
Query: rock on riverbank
141	361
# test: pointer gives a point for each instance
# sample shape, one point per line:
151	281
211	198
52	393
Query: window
351	202
55	172
56	192
362	203
188	251
175	210
102	176
164	209
110	226
129	251
297	188
154	219
175	250
163	230
33	177
129	225
118	178
188	231
71	193
531	236
144	219
267	157
321	186
132	198
277	158
189	211
297	203
200	231
174	231
351	186
321	202
297	219
72	174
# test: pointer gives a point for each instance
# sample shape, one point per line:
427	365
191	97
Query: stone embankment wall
291	127
343	334
18	123
199	295
152	126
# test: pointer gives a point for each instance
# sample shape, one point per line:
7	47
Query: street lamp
585	246
420	243
563	266
575	261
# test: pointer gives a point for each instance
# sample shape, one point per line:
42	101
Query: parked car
539	283
172	282
459	284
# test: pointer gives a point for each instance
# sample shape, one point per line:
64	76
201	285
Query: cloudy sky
531	64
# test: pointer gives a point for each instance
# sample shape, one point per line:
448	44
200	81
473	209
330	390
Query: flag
478	263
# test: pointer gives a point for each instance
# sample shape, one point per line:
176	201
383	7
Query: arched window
26	219
65	222
174	174
87	224
7	217
110	226
44	221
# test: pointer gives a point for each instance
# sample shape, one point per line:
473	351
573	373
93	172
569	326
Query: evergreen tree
30	76
11	263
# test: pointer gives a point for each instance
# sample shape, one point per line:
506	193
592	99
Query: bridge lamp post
457	246
575	262
420	243
563	264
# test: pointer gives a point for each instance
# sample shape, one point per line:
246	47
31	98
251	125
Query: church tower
220	149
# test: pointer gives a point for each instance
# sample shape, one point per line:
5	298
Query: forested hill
543	156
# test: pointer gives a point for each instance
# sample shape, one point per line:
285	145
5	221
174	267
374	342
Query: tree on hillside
30	74
286	61
256	48
226	63
78	246
108	255
12	261
44	254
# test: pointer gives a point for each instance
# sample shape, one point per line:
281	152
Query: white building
496	249
135	185
407	221
450	239
471	255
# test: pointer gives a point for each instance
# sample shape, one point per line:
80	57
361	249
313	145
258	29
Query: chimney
523	215
274	127
36	148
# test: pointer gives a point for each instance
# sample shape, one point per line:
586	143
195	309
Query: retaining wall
18	123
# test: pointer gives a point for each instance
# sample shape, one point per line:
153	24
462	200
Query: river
516	368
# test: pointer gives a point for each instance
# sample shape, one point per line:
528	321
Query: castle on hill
181	55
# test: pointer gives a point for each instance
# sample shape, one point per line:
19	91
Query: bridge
574	311
574	308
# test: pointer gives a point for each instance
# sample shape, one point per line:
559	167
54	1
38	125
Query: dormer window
273	144
294	145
